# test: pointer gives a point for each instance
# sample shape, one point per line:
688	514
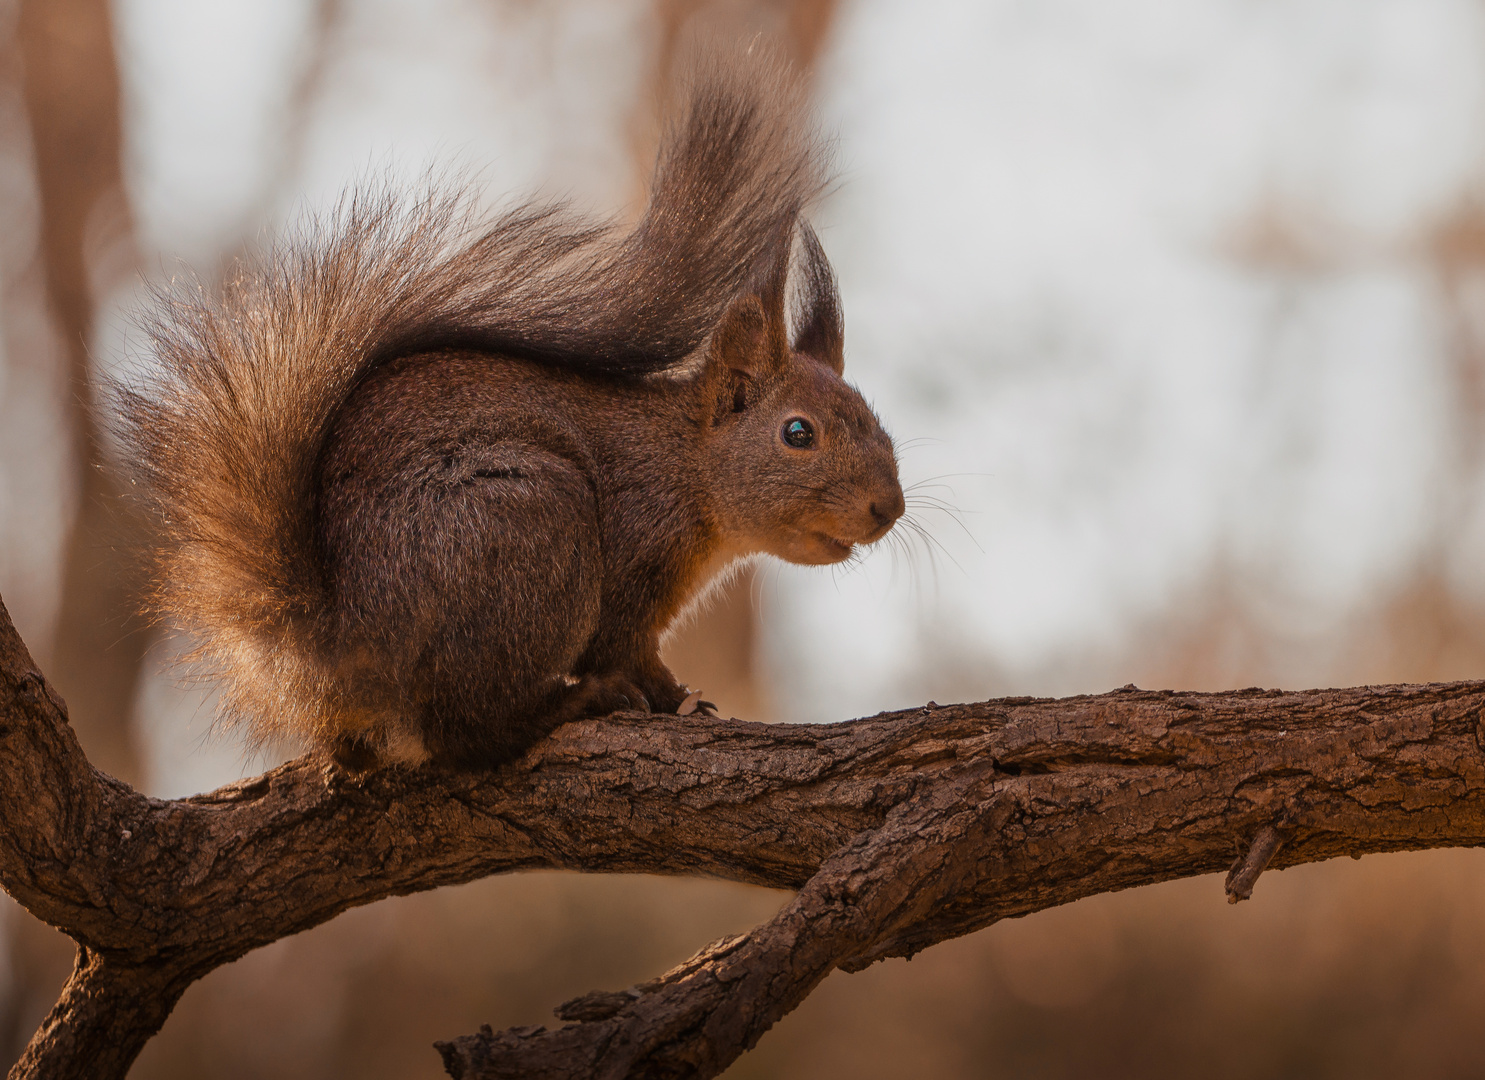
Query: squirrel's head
800	466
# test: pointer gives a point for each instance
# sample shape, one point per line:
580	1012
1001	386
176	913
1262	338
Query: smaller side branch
1244	873
700	1017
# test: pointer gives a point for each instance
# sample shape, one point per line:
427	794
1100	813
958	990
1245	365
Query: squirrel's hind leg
467	582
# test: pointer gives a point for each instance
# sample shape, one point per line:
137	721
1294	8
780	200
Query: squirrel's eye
799	433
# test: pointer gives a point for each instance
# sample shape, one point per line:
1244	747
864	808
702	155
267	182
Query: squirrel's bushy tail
224	432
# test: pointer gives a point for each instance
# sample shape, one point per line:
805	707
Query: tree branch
900	831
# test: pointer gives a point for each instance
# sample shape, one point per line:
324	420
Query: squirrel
430	485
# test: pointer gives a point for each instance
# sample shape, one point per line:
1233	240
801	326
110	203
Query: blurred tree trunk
63	55
71	88
717	652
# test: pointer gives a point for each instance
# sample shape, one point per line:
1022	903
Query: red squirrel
428	487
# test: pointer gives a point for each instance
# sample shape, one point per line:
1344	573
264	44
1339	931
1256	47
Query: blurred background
1177	311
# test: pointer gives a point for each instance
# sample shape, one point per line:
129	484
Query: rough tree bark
898	831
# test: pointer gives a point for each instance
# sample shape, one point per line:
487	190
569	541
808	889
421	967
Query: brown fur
431	488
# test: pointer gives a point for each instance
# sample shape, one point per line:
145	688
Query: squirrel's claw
693	703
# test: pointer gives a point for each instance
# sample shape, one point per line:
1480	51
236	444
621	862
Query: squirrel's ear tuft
819	330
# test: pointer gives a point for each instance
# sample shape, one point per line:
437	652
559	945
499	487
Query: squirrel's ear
819	330
752	338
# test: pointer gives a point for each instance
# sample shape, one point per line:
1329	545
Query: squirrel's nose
888	508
